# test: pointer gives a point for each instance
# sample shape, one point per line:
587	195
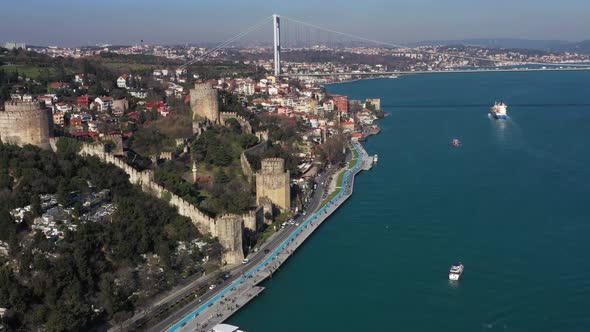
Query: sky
125	22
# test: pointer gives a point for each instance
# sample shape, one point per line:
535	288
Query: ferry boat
456	271
456	143
499	111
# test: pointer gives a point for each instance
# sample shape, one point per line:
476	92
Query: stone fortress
273	183
23	123
230	229
205	109
204	103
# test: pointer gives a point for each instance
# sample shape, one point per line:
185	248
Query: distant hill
546	45
498	43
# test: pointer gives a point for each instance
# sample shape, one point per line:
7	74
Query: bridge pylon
276	23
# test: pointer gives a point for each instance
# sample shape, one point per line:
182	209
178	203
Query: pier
234	296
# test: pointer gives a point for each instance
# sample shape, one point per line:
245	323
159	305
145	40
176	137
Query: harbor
233	297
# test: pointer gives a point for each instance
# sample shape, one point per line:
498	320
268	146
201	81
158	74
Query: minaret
194	172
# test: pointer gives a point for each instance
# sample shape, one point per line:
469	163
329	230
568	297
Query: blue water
512	203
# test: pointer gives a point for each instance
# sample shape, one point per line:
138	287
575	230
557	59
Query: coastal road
218	308
254	259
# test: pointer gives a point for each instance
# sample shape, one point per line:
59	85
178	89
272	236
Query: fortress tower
229	229
24	123
272	182
204	103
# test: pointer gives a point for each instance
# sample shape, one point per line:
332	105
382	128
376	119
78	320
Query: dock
245	289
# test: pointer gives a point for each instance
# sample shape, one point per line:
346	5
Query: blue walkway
275	253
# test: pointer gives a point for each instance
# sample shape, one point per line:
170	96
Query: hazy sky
79	22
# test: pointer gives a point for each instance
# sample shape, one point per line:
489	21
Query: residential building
122	82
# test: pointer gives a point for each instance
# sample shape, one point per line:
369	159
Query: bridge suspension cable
227	42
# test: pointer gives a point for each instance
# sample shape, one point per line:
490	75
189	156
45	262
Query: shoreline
239	293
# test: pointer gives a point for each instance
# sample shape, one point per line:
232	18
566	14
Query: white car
246	260
211	287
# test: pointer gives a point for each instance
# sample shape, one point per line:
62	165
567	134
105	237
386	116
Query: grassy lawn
33	72
128	66
340	179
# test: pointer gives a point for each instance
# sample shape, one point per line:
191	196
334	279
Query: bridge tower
276	23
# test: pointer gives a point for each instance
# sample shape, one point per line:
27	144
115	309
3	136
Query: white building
103	103
122	82
140	94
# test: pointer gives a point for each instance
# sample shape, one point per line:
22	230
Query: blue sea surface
512	203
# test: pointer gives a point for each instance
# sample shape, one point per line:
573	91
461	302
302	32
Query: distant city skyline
127	22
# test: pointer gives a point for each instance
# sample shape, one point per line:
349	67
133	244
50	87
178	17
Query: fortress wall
247	169
118	140
228	229
262	135
246	127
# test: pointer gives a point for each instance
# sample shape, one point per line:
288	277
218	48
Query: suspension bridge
291	35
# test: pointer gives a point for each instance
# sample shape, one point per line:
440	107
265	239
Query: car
296	224
256	249
211	287
246	260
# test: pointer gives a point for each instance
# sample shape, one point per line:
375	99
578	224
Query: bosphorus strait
511	203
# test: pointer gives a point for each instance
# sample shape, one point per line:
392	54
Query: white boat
456	271
375	159
499	111
393	76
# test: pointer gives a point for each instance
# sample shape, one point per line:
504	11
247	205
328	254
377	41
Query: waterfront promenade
237	294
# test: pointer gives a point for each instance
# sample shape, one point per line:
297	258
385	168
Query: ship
499	111
456	143
456	271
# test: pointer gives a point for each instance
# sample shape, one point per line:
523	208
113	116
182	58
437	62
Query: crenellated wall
118	141
247	169
229	229
262	135
246	127
23	123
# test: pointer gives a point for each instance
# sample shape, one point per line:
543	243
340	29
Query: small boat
499	111
456	271
456	143
393	76
375	159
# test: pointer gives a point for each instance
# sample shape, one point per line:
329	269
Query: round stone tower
24	123
273	182
204	103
